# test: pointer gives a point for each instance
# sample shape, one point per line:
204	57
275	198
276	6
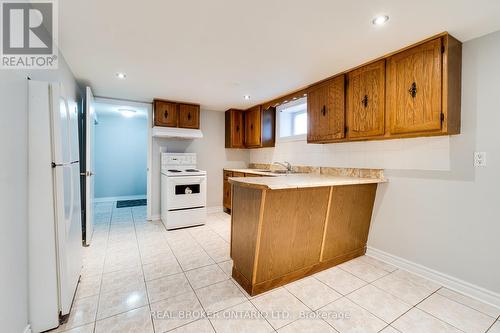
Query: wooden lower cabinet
226	188
226	194
278	236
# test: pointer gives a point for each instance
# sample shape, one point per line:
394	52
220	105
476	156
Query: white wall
212	157
121	146
14	187
437	209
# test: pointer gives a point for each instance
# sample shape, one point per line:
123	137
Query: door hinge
346	129
442	117
443	49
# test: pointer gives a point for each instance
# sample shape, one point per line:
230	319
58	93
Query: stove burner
173	170
192	170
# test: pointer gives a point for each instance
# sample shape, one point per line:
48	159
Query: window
292	120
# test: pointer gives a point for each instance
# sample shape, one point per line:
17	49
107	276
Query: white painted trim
27	329
129	197
464	287
214	209
149	195
154	218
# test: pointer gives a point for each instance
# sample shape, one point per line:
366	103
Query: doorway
118	152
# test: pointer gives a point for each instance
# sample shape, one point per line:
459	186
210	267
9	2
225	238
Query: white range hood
175	132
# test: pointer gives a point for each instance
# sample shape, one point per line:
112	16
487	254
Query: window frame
279	109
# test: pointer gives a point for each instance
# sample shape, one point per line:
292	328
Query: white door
89	166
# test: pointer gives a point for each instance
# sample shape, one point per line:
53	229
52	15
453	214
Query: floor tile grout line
193	290
249	300
143	275
466	305
430	314
345	270
493	324
102	270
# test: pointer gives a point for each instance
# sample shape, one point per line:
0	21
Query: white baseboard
27	329
154	218
214	209
466	288
210	210
129	197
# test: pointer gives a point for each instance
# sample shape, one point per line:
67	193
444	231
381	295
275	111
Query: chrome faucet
286	165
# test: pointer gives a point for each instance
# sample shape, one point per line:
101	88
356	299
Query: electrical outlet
479	159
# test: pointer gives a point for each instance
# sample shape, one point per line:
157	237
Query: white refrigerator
54	227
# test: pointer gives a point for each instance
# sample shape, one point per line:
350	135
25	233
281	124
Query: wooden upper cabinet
234	129
165	113
189	116
366	101
326	111
253	127
268	127
414	87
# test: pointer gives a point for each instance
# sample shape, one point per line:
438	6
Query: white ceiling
215	51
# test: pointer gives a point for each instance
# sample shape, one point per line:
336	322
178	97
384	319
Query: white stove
183	191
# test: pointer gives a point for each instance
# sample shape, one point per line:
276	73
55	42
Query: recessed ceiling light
379	20
246	97
121	75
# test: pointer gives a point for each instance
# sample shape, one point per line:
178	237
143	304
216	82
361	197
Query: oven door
186	192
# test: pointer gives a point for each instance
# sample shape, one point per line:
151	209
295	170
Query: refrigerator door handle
54	164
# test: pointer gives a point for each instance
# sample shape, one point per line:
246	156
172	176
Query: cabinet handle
166	114
323	111
251	126
189	116
413	90
237	128
364	101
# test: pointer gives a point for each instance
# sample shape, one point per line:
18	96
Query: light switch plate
479	159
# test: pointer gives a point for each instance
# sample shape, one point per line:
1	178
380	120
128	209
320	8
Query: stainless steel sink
280	172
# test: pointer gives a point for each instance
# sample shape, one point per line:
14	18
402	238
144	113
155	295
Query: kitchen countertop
254	171
291	181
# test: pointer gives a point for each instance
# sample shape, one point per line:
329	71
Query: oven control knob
188	190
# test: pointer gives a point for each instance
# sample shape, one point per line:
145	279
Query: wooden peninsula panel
281	235
246	210
294	223
348	221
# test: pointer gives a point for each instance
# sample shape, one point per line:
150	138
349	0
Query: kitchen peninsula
287	227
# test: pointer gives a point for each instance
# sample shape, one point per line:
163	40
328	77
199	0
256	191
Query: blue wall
120	155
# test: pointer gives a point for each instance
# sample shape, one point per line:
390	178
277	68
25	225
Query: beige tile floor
138	277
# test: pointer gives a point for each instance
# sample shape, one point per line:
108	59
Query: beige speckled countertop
291	181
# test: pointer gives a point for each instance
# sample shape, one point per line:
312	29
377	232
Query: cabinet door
227	195
189	116
414	89
165	113
366	101
238	130
252	127
326	111
268	127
